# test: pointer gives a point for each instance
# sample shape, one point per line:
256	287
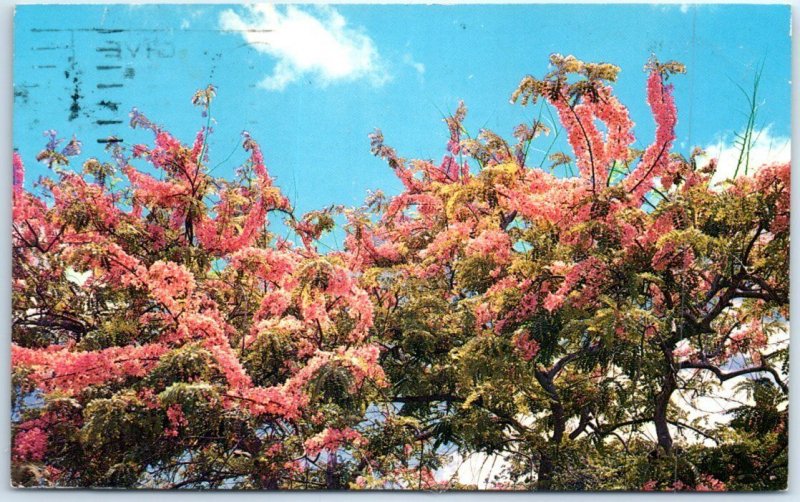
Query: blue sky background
423	59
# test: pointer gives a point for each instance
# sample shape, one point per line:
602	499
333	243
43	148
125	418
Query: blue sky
313	88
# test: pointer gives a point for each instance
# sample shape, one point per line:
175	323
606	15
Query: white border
15	495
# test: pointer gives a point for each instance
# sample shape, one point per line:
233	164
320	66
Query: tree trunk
331	476
549	454
546	468
662	403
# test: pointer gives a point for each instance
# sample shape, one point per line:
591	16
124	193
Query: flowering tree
164	337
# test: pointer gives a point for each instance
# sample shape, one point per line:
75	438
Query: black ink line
75	105
111	105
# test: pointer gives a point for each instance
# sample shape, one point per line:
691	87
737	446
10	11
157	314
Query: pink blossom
331	440
19	172
656	156
30	444
709	483
526	345
170	282
493	244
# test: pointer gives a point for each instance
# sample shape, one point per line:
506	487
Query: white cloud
683	8
308	42
711	408
475	469
766	149
76	277
409	60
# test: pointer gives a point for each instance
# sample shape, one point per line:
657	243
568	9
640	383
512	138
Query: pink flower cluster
493	244
169	283
176	420
707	483
655	159
30	445
588	275
19	173
526	345
330	440
70	371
